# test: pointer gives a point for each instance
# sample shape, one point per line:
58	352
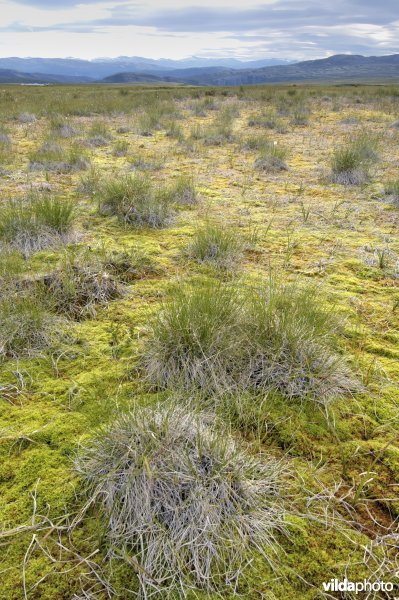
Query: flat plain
118	201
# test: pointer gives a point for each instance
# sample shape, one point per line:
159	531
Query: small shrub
216	245
182	498
135	201
35	223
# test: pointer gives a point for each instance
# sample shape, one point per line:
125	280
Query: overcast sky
295	29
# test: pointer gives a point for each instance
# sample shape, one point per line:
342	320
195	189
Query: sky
250	30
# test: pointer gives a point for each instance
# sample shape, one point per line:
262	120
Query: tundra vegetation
199	308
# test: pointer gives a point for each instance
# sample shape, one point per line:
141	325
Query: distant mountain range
103	67
341	67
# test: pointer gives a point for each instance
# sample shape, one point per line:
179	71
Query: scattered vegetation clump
89	183
391	190
26	328
184	191
267	120
61	128
350	164
300	116
220	131
173	130
36	222
11	264
79	286
272	158
221	338
256	142
136	201
5	147
51	156
216	245
182	499
100	129
26	118
130	264
121	148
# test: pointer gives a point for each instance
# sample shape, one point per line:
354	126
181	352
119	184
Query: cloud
58	5
284	13
288	28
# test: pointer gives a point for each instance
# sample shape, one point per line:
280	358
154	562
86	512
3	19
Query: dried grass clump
37	222
182	499
79	286
223	338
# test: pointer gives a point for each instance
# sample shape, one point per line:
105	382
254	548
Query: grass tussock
26	328
391	191
51	156
183	498
136	201
272	158
220	338
79	286
216	245
184	191
350	163
130	264
36	222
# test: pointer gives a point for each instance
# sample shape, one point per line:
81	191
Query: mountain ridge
339	67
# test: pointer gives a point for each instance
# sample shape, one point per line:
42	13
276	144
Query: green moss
59	400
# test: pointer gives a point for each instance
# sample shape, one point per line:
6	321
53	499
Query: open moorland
199	346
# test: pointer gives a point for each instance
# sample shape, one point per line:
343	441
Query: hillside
104	67
340	67
12	76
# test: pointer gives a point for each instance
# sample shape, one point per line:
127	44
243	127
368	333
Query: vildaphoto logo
335	585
